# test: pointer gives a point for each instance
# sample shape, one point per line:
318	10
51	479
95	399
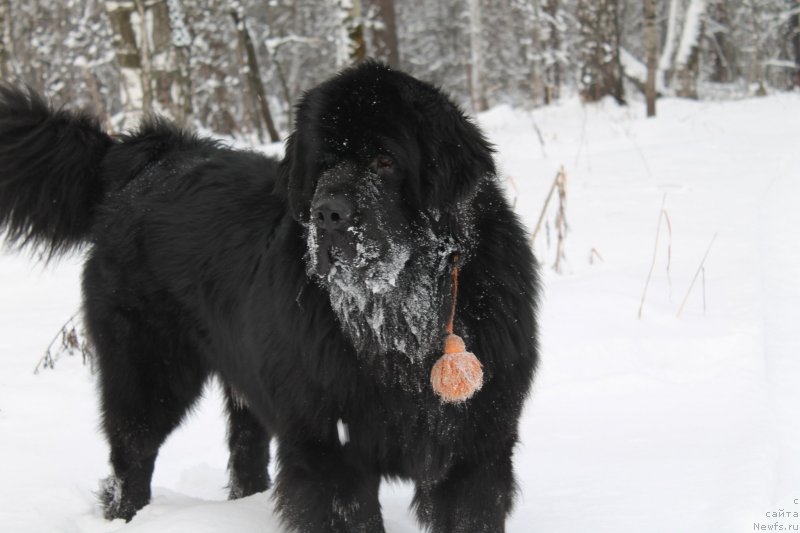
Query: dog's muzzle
333	217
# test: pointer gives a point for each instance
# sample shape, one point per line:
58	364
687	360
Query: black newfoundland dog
316	289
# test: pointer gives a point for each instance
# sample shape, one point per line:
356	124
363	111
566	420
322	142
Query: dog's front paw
115	504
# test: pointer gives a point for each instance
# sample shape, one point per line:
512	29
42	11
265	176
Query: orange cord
457	374
455	294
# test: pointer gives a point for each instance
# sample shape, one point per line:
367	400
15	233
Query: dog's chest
410	435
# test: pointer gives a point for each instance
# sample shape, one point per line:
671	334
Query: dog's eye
382	163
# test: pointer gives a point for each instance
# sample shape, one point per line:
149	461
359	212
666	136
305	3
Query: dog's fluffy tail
50	183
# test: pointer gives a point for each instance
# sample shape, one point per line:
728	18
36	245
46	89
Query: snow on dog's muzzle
332	219
332	248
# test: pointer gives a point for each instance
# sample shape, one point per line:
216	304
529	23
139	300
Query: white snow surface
661	424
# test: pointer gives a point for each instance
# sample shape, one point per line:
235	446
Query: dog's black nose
333	213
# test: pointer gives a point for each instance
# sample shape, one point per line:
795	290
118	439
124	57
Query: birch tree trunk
668	52
350	47
133	89
651	46
152	44
145	33
687	58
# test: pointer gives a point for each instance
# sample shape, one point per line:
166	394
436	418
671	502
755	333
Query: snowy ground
663	424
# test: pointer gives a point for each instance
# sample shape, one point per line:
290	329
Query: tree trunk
552	89
5	70
723	53
132	85
350	47
687	58
601	68
665	62
181	41
100	108
254	74
384	34
476	68
651	45
11	60
794	26
535	57
756	74
145	55
252	115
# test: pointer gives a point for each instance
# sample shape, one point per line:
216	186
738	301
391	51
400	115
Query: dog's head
380	171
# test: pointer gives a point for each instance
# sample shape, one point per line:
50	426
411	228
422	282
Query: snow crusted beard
388	298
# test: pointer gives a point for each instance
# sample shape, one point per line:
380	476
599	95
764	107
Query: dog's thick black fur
317	291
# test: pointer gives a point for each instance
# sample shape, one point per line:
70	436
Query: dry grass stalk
560	222
700	269
662	215
593	253
513	184
669	249
703	282
561	219
553	187
70	340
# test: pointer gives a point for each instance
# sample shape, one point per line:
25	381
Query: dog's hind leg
248	442
149	377
147	387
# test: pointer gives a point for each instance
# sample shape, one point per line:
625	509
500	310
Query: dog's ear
457	155
293	178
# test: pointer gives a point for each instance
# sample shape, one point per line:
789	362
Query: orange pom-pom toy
457	374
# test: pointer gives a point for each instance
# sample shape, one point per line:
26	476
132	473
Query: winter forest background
236	67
